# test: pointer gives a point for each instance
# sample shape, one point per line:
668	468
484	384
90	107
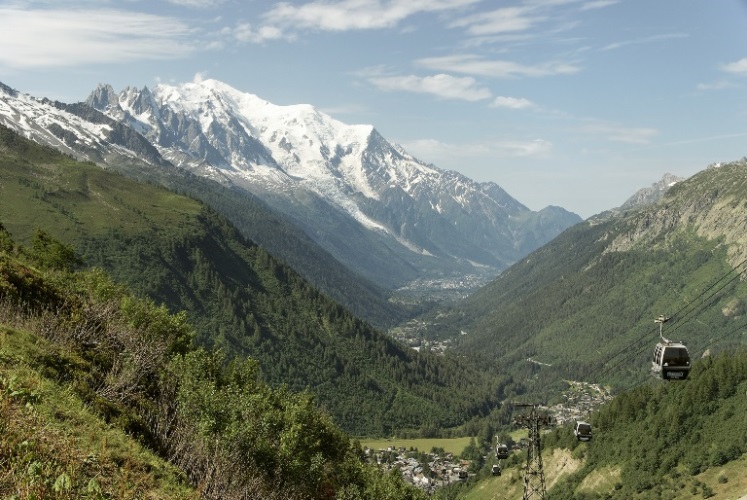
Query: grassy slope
53	445
556	464
97	350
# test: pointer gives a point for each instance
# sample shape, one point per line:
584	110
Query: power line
681	320
722	336
712	297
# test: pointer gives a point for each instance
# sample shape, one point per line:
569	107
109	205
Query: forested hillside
104	395
583	306
659	440
239	298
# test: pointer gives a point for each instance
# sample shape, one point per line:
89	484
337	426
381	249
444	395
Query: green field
450	445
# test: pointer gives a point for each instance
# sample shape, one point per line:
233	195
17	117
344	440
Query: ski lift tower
534	476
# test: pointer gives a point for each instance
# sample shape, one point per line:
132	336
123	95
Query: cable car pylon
534	476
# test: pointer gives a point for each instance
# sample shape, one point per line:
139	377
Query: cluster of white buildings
439	471
581	399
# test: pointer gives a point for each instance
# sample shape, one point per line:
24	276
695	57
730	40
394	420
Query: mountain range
392	219
81	131
594	278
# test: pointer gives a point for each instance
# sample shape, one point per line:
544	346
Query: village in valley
427	471
433	470
436	469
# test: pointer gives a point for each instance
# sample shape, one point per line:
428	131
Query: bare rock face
712	204
651	194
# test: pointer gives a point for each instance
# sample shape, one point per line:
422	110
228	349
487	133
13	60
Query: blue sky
575	103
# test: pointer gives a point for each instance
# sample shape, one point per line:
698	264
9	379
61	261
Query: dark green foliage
238	298
288	442
53	254
6	241
289	244
245	302
471	451
133	363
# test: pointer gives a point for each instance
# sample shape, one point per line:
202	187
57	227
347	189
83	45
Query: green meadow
449	445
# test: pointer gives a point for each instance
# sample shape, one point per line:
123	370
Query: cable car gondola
501	451
671	360
582	431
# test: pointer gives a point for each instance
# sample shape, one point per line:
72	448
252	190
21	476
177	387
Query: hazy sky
576	103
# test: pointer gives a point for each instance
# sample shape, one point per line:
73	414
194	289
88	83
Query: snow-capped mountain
75	129
299	160
376	208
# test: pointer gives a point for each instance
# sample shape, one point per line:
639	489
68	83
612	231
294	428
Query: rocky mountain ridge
85	133
707	203
653	193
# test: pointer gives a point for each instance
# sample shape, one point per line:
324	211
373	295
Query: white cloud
720	85
58	38
200	4
476	65
434	151
617	133
348	15
245	33
739	67
506	20
648	39
441	85
534	147
512	103
549	3
598	4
